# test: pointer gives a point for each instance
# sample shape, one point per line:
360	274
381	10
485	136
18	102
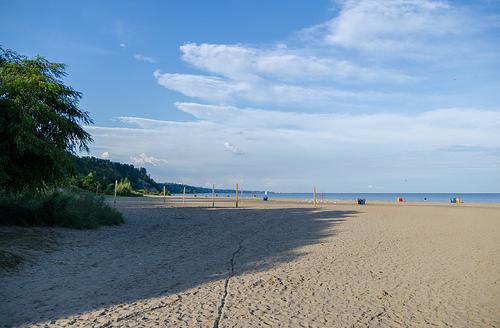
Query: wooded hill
90	170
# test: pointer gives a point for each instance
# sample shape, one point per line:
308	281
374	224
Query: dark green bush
80	210
146	192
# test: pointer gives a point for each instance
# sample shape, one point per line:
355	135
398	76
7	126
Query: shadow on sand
160	252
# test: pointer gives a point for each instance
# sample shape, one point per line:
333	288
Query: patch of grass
70	209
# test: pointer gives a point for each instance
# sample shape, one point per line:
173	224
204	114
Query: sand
278	263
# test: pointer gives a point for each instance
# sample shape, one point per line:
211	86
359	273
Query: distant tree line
178	188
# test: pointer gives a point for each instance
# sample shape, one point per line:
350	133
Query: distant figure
265	198
425	199
361	201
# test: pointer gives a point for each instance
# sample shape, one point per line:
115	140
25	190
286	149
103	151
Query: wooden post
236	195
164	194
213	195
315	203
96	189
116	187
183	196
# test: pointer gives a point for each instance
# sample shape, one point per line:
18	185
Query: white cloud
144	58
104	155
142	159
274	75
371	53
123	45
427	130
199	86
289	151
216	89
242	62
232	148
395	26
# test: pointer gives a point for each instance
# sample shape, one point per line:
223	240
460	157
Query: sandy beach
277	263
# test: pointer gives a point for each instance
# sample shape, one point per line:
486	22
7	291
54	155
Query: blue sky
352	96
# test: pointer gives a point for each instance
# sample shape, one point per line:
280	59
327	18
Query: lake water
390	197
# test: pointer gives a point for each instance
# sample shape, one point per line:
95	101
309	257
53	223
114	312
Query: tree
40	122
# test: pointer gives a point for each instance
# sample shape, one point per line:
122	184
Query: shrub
80	210
124	188
146	192
110	189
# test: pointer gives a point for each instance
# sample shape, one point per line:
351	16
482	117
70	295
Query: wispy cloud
219	89
394	25
144	58
238	61
277	76
200	86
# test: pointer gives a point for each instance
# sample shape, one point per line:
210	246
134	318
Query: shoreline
483	198
205	199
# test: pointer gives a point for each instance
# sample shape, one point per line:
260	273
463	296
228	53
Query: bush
146	192
86	182
124	188
80	210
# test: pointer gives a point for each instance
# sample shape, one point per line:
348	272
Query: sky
349	95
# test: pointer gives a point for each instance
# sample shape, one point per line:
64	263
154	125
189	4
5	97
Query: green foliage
145	192
110	189
124	188
39	122
105	173
79	210
86	182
